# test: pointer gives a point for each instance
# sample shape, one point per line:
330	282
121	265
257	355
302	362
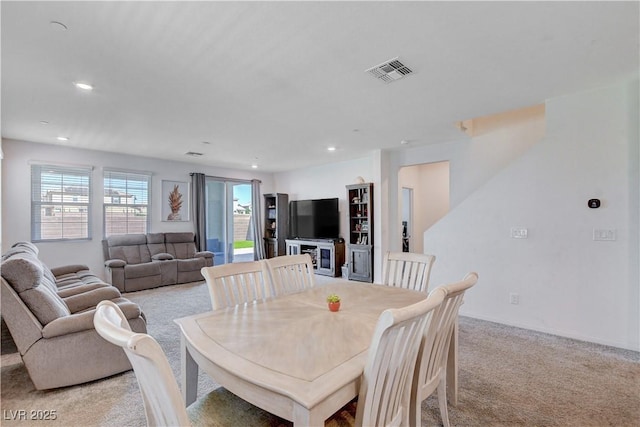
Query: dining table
289	355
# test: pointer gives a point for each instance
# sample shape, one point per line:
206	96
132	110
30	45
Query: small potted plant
333	301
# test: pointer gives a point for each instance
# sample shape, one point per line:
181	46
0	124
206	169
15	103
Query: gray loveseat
49	313
141	261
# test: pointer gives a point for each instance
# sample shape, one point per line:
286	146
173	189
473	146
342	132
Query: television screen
314	219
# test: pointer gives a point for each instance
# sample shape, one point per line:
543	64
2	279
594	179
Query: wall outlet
519	233
604	234
514	298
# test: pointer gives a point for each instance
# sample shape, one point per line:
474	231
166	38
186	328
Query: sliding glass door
228	223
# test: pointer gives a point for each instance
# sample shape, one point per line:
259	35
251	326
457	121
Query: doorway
423	198
407	218
228	213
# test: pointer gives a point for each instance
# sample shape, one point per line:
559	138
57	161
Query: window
60	203
126	202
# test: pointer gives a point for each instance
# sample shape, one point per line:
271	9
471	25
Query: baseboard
560	333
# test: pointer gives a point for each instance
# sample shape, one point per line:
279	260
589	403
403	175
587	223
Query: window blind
126	202
60	202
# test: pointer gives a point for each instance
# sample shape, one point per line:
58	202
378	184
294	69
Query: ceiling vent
192	154
390	71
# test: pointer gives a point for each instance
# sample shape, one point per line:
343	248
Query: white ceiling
276	83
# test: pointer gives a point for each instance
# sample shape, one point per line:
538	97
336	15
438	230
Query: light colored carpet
508	377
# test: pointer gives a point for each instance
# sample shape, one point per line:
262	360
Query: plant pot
334	306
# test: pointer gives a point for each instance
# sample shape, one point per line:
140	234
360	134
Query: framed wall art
175	201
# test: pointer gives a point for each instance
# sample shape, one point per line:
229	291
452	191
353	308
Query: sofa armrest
69	324
115	263
68	269
84	321
204	254
91	298
163	256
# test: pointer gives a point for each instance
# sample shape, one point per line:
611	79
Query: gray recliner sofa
49	313
141	261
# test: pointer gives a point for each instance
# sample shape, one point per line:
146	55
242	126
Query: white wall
16	187
567	283
326	181
497	141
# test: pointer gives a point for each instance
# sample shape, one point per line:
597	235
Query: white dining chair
291	273
431	370
163	403
237	283
385	391
407	270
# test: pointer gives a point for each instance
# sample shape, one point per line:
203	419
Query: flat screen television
314	219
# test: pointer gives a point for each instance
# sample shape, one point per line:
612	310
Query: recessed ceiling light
254	166
331	148
404	142
206	142
62	138
44	122
83	86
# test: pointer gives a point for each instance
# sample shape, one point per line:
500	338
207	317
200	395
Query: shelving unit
360	241
276	223
327	255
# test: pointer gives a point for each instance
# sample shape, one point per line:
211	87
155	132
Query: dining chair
431	369
291	273
407	270
385	390
163	403
237	283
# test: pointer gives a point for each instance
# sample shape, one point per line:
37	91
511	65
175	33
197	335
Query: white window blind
60	203
126	202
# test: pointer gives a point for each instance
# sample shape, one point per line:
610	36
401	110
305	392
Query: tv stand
327	255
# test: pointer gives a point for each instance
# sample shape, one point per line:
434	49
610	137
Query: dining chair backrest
237	283
407	270
291	273
430	373
163	403
385	390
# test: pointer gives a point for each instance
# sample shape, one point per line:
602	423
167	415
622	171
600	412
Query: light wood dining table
289	355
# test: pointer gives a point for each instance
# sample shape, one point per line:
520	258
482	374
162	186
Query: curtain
256	209
199	214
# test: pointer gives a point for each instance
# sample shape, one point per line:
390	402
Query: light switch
519	233
604	234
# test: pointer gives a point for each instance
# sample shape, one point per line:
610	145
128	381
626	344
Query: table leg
189	374
302	417
452	367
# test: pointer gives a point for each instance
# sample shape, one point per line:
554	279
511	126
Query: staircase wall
567	283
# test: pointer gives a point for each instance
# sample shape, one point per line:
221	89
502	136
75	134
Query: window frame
83	181
127	176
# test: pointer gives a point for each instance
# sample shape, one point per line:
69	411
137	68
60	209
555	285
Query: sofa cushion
18	250
191	264
25	275
180	245
46	305
26	245
141	270
131	248
23	271
154	238
155	244
91	298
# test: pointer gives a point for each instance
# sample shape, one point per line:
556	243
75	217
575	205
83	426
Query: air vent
193	154
390	71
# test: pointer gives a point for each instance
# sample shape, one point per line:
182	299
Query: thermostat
594	203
